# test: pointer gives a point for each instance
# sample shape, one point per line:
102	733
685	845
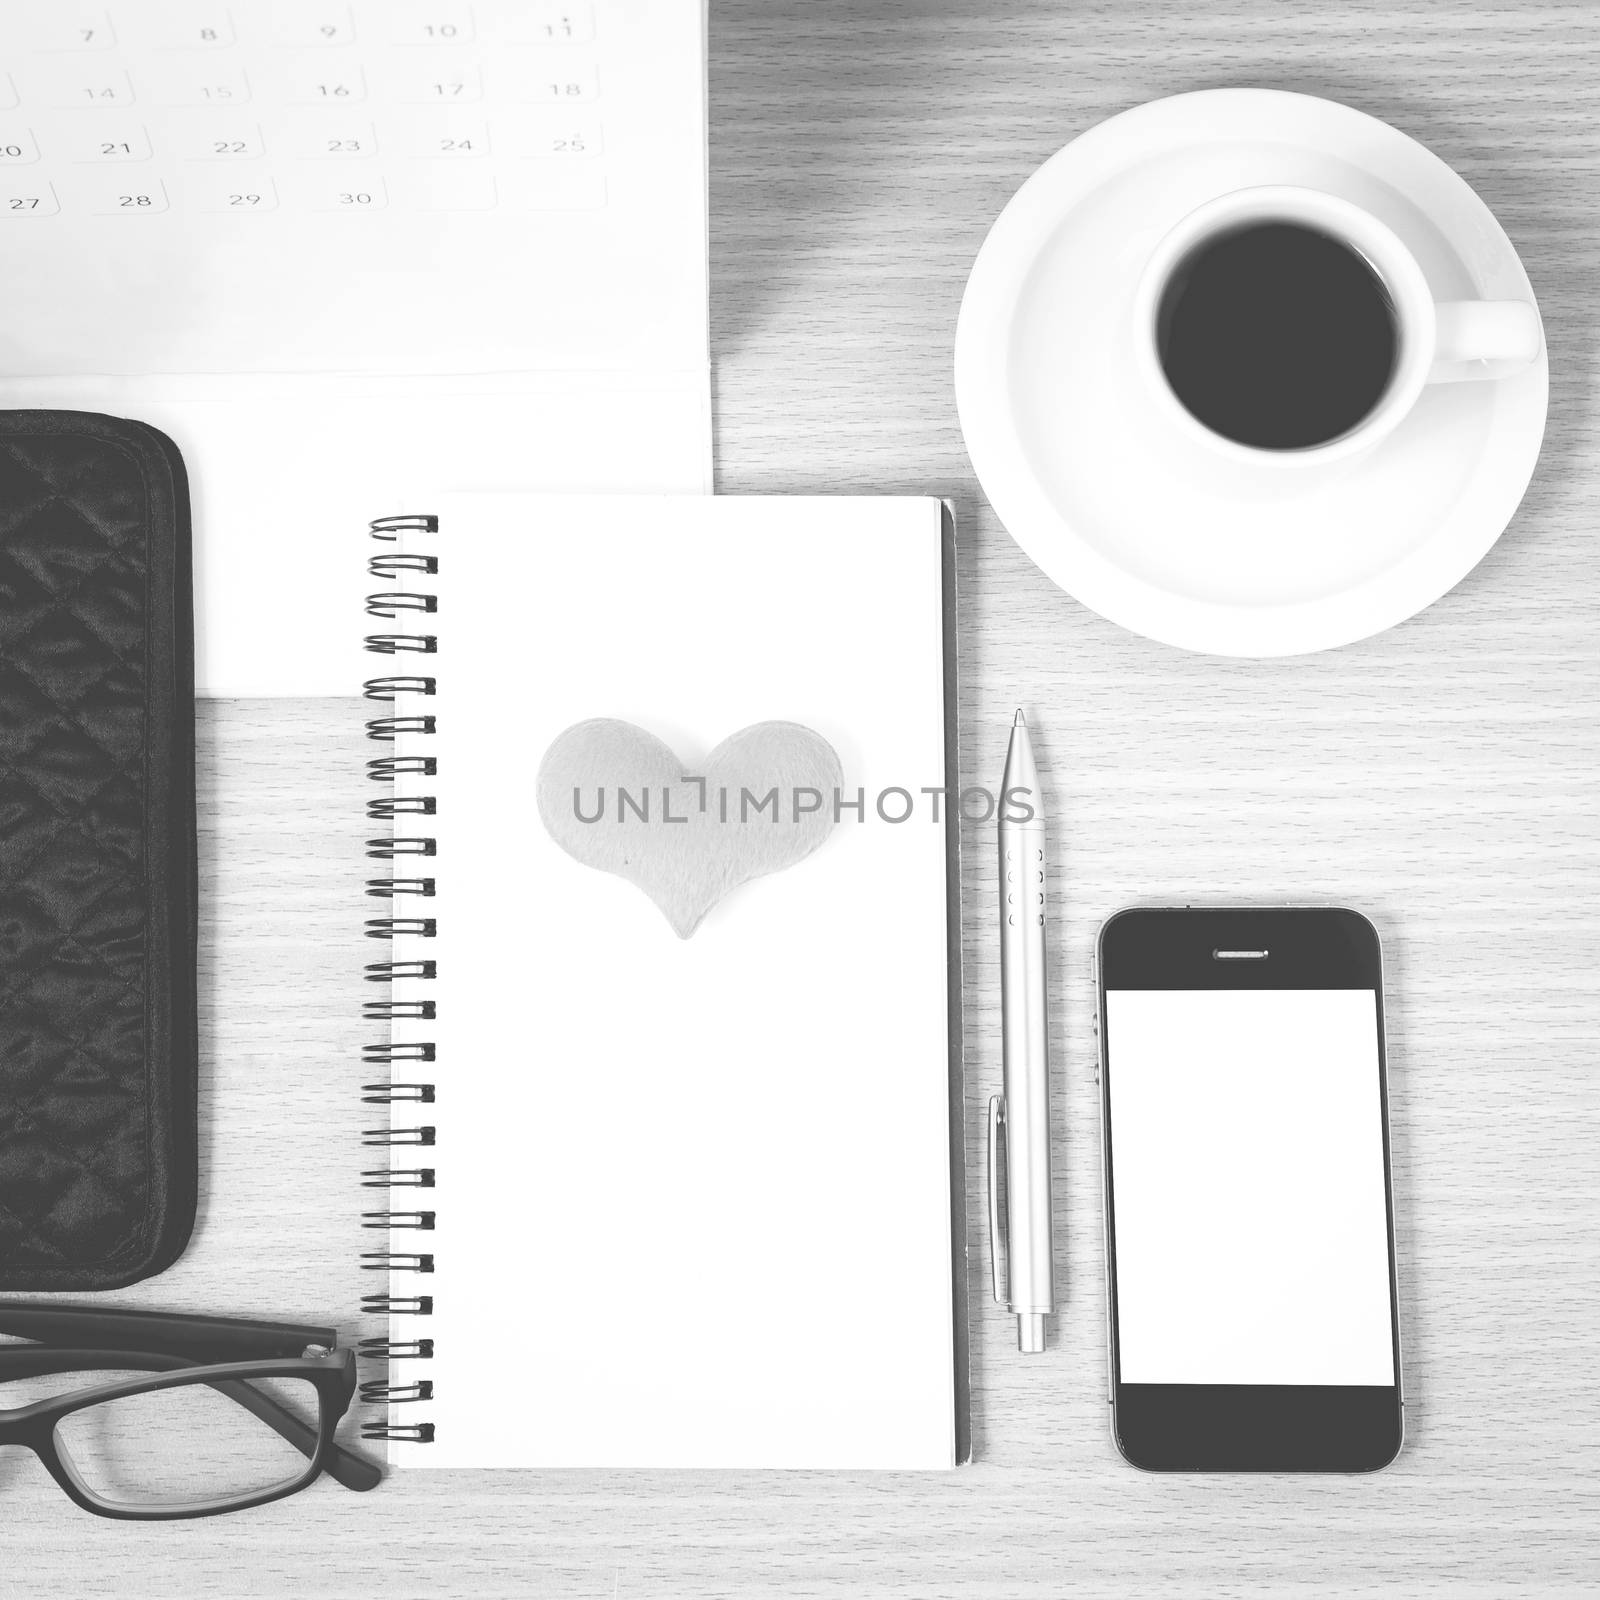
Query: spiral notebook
653	1200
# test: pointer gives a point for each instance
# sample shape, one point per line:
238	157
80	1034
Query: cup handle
1483	339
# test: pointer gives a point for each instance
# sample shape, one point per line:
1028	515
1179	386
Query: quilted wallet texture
98	1052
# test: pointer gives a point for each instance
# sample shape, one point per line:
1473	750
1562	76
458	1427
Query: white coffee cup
1438	341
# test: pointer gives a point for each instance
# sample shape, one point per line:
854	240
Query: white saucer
1162	535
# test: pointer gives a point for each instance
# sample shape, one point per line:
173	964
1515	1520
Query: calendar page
383	185
333	246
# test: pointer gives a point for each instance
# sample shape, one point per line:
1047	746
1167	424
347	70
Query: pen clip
997	1127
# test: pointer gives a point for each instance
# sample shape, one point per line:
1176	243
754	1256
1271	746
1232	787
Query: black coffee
1277	336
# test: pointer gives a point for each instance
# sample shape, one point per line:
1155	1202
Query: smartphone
1248	1203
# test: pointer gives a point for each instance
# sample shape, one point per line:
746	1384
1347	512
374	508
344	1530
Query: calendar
349	251
175	107
341	184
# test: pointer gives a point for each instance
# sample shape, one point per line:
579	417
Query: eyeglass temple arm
208	1338
343	1466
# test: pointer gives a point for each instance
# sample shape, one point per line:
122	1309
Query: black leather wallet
98	1050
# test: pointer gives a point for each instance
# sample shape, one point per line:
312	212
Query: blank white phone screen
1251	1225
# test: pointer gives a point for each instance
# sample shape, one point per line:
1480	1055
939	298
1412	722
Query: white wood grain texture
1439	777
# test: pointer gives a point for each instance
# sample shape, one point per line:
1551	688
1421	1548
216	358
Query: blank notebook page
693	1196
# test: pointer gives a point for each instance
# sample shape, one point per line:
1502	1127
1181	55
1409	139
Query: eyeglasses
143	1416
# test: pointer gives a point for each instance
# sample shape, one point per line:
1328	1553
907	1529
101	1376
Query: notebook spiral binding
406	886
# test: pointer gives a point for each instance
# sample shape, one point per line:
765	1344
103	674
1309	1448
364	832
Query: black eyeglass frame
220	1352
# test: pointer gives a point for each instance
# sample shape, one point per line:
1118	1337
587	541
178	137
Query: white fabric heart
616	798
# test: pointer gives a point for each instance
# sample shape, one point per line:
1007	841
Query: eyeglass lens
185	1445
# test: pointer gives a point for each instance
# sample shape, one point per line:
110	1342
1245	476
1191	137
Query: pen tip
1021	721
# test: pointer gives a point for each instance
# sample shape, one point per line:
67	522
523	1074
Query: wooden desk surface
1440	777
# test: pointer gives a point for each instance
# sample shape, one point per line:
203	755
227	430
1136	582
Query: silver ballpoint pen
1021	1116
